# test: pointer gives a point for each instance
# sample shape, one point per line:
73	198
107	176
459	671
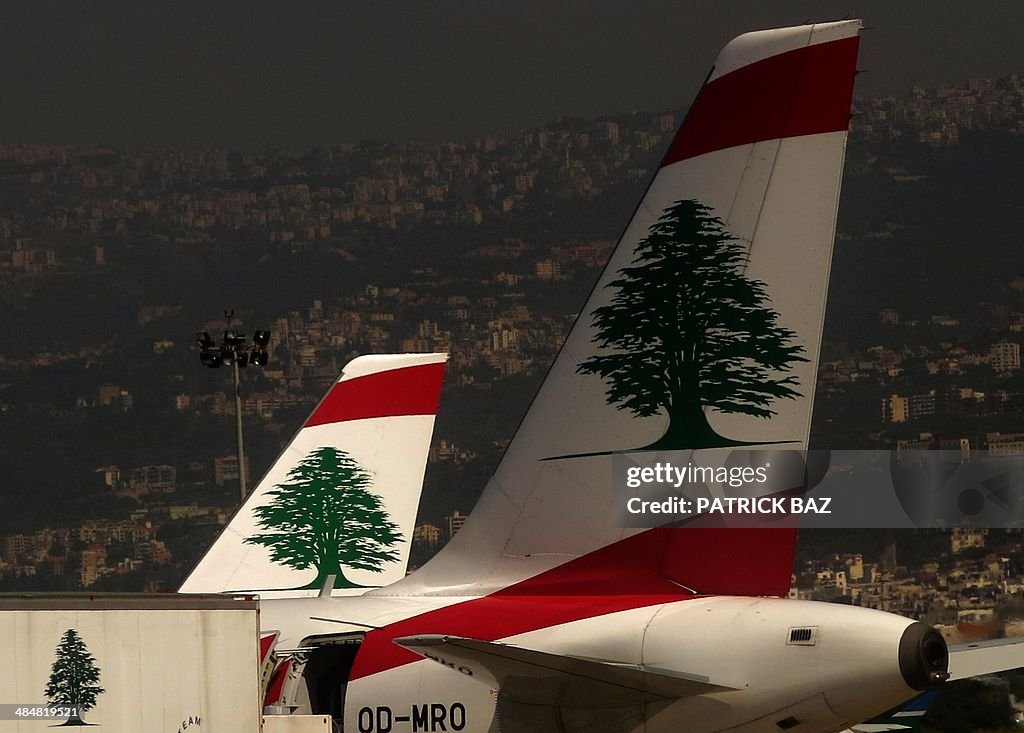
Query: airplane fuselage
774	664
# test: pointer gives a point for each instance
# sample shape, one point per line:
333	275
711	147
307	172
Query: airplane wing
534	677
985	657
974	659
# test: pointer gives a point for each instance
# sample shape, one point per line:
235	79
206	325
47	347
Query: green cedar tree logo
325	517
74	677
688	330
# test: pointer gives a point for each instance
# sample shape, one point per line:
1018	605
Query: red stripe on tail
801	92
732	561
414	390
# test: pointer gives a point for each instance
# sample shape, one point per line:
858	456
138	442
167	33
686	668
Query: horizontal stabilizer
541	678
985	657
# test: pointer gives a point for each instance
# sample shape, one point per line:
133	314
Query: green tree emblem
326	517
688	330
74	677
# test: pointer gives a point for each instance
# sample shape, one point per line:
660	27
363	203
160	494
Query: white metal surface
296	724
162	661
985	657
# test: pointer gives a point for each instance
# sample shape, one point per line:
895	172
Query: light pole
234	351
238	430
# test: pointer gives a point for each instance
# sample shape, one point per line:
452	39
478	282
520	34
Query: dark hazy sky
151	73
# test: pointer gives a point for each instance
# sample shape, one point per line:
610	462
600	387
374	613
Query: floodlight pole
229	316
238	429
233	349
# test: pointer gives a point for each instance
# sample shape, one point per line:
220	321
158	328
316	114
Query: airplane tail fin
336	511
701	335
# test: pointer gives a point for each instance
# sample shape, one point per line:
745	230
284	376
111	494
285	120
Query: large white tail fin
339	504
703	332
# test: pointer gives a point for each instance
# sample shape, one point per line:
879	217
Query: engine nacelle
819	666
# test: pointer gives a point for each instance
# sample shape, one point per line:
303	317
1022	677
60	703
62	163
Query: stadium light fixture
234	351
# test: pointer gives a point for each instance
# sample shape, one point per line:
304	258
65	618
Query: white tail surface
703	331
339	505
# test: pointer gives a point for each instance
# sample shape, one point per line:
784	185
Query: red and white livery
542	614
381	414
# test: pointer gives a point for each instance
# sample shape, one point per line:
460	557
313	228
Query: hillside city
482	250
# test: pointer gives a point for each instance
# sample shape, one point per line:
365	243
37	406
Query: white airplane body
543	613
716	663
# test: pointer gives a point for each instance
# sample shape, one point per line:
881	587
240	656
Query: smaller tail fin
338	506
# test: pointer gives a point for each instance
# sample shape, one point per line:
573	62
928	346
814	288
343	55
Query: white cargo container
297	724
130	662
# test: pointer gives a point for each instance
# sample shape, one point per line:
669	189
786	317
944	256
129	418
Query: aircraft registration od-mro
701	335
